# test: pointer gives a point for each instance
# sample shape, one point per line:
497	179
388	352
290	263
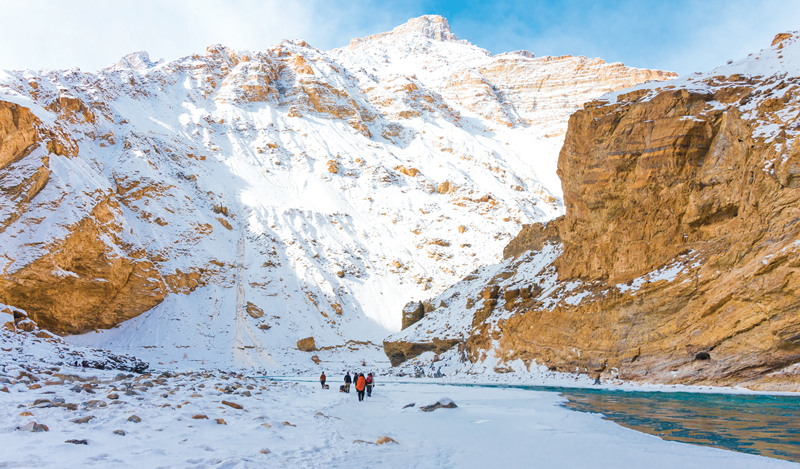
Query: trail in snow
244	348
241	357
298	425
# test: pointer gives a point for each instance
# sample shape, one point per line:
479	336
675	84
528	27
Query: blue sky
680	35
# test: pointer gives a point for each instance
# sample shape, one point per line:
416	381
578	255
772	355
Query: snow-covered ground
297	424
291	422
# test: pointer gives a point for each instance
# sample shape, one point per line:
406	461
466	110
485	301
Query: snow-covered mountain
223	206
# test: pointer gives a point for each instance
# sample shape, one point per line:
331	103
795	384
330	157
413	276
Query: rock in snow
33	427
77	442
442	403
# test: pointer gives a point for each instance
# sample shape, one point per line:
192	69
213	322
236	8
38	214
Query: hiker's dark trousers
360	395
369	390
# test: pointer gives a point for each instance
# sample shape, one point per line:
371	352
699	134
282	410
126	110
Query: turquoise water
756	424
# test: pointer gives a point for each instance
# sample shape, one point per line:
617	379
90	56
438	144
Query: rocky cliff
324	188
678	258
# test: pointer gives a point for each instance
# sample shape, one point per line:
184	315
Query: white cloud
91	34
684	35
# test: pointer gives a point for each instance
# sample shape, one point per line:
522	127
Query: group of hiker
362	383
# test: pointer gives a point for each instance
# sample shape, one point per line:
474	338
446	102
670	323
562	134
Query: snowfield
297	424
211	418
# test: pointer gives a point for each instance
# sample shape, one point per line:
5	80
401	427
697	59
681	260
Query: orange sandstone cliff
678	259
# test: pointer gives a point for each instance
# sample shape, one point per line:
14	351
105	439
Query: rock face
399	351
412	312
298	180
18	133
81	283
677	260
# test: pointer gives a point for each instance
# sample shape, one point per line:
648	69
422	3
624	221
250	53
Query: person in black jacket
347	381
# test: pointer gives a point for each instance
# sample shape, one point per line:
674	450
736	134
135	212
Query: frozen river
211	419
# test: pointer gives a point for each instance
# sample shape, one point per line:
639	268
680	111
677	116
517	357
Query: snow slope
326	189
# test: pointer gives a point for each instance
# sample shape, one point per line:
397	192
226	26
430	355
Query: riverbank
215	419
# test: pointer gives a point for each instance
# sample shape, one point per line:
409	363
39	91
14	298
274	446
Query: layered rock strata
678	259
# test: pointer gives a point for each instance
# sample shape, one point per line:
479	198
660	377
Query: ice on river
296	424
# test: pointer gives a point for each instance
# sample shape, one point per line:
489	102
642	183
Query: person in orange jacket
361	383
322	379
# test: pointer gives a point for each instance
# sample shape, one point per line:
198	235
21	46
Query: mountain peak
433	27
135	61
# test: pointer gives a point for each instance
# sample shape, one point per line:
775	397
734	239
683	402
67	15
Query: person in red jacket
322	379
361	383
370	382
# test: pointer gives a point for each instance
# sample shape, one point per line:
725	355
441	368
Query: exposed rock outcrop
412	312
82	283
657	181
399	351
307	345
18	132
88	277
677	260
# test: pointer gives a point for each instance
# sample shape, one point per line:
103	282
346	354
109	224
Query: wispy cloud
681	35
94	33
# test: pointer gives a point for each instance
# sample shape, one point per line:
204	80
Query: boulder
413	311
94	404
442	403
83	419
490	292
33	427
333	166
254	311
307	345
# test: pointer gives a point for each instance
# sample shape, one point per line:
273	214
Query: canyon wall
677	260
